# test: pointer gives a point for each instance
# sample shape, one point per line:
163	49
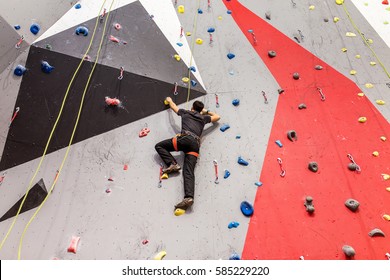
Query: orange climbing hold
73	244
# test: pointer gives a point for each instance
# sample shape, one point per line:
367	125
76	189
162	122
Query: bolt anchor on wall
282	170
321	94
265	97
19	42
122	69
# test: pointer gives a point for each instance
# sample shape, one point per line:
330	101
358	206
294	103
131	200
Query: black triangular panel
34	198
40	97
147	52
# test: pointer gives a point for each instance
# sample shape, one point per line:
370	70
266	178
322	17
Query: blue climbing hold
259	184
211	30
227	174
82	30
246	208
193	83
46	67
236	102
34	28
233	224
234	257
279	143
77	6
200	11
224	127
238	136
242	161
17	27
231	55
250	30
20	70
179	44
229	12
193	69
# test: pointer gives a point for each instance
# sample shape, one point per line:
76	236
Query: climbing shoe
185	203
172	168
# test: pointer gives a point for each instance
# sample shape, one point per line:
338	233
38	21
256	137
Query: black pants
186	144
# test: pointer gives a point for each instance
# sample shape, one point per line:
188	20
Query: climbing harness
175	92
121	74
160	176
19	42
321	94
14	116
216	181
358	169
265	97
216	101
282	171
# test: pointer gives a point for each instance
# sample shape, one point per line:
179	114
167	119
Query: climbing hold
34	28
349	251
385	22
193	83
362	119
17	27
336	19
350	34
370	41
388	189
227	174
77	6
199	41
46	67
179	212
125	167
246	208
117	26
309	204
112	101
236	102
279	143
242	161
344	49
188	34
144	132
352	166
73	244
385	2
376	232
231	55
258	183
166	102
177	57
385	176
280	90
164	176
271	54
193	69
211	30
180	9
20	70
339	2
386	217
185	80
383	138
233	224
318	67
313	166
357	56
268	15
48	47
292	135
302	106
326	20
224	127
361	94
160	255
311	7
229	12
352	72
82	30
234	257
372	63
179	44
296	76
380	102
200	11
108	190
238	136
352	204
219	17
114	39
375	153
145	241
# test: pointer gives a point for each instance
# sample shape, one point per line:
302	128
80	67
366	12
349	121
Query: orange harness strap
193	153
174	142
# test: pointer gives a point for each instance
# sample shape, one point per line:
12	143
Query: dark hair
198	106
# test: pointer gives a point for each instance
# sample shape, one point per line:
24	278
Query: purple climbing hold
34	28
233	224
46	67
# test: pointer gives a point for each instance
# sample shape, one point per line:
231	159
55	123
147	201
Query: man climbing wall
188	141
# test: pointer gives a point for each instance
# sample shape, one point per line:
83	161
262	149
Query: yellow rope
192	51
72	136
365	40
53	129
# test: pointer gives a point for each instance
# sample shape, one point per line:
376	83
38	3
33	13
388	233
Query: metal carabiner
282	171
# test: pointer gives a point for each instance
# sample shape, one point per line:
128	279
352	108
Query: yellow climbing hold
188	33
365	4
199	41
383	138
375	153
160	255
385	22
180	9
368	85
350	34
385	176
386	217
357	56
336	19
370	41
344	49
177	57
185	79
361	94
387	9
179	212
372	63
362	119
352	72
380	102
339	2
220	18
164	176
312	7
166	102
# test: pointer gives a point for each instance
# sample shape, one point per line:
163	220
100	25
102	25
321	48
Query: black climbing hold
376	232
313	166
326	20
352	166
280	91
268	15
302	106
309	204
292	135
349	251
271	54
246	208
352	204
318	67
296	76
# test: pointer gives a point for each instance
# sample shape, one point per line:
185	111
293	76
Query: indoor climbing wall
301	88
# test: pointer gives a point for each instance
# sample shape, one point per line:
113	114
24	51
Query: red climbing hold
144	132
73	244
125	167
114	39
385	2
112	101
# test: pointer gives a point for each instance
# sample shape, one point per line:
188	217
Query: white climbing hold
383	138
386	217
375	153
385	176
